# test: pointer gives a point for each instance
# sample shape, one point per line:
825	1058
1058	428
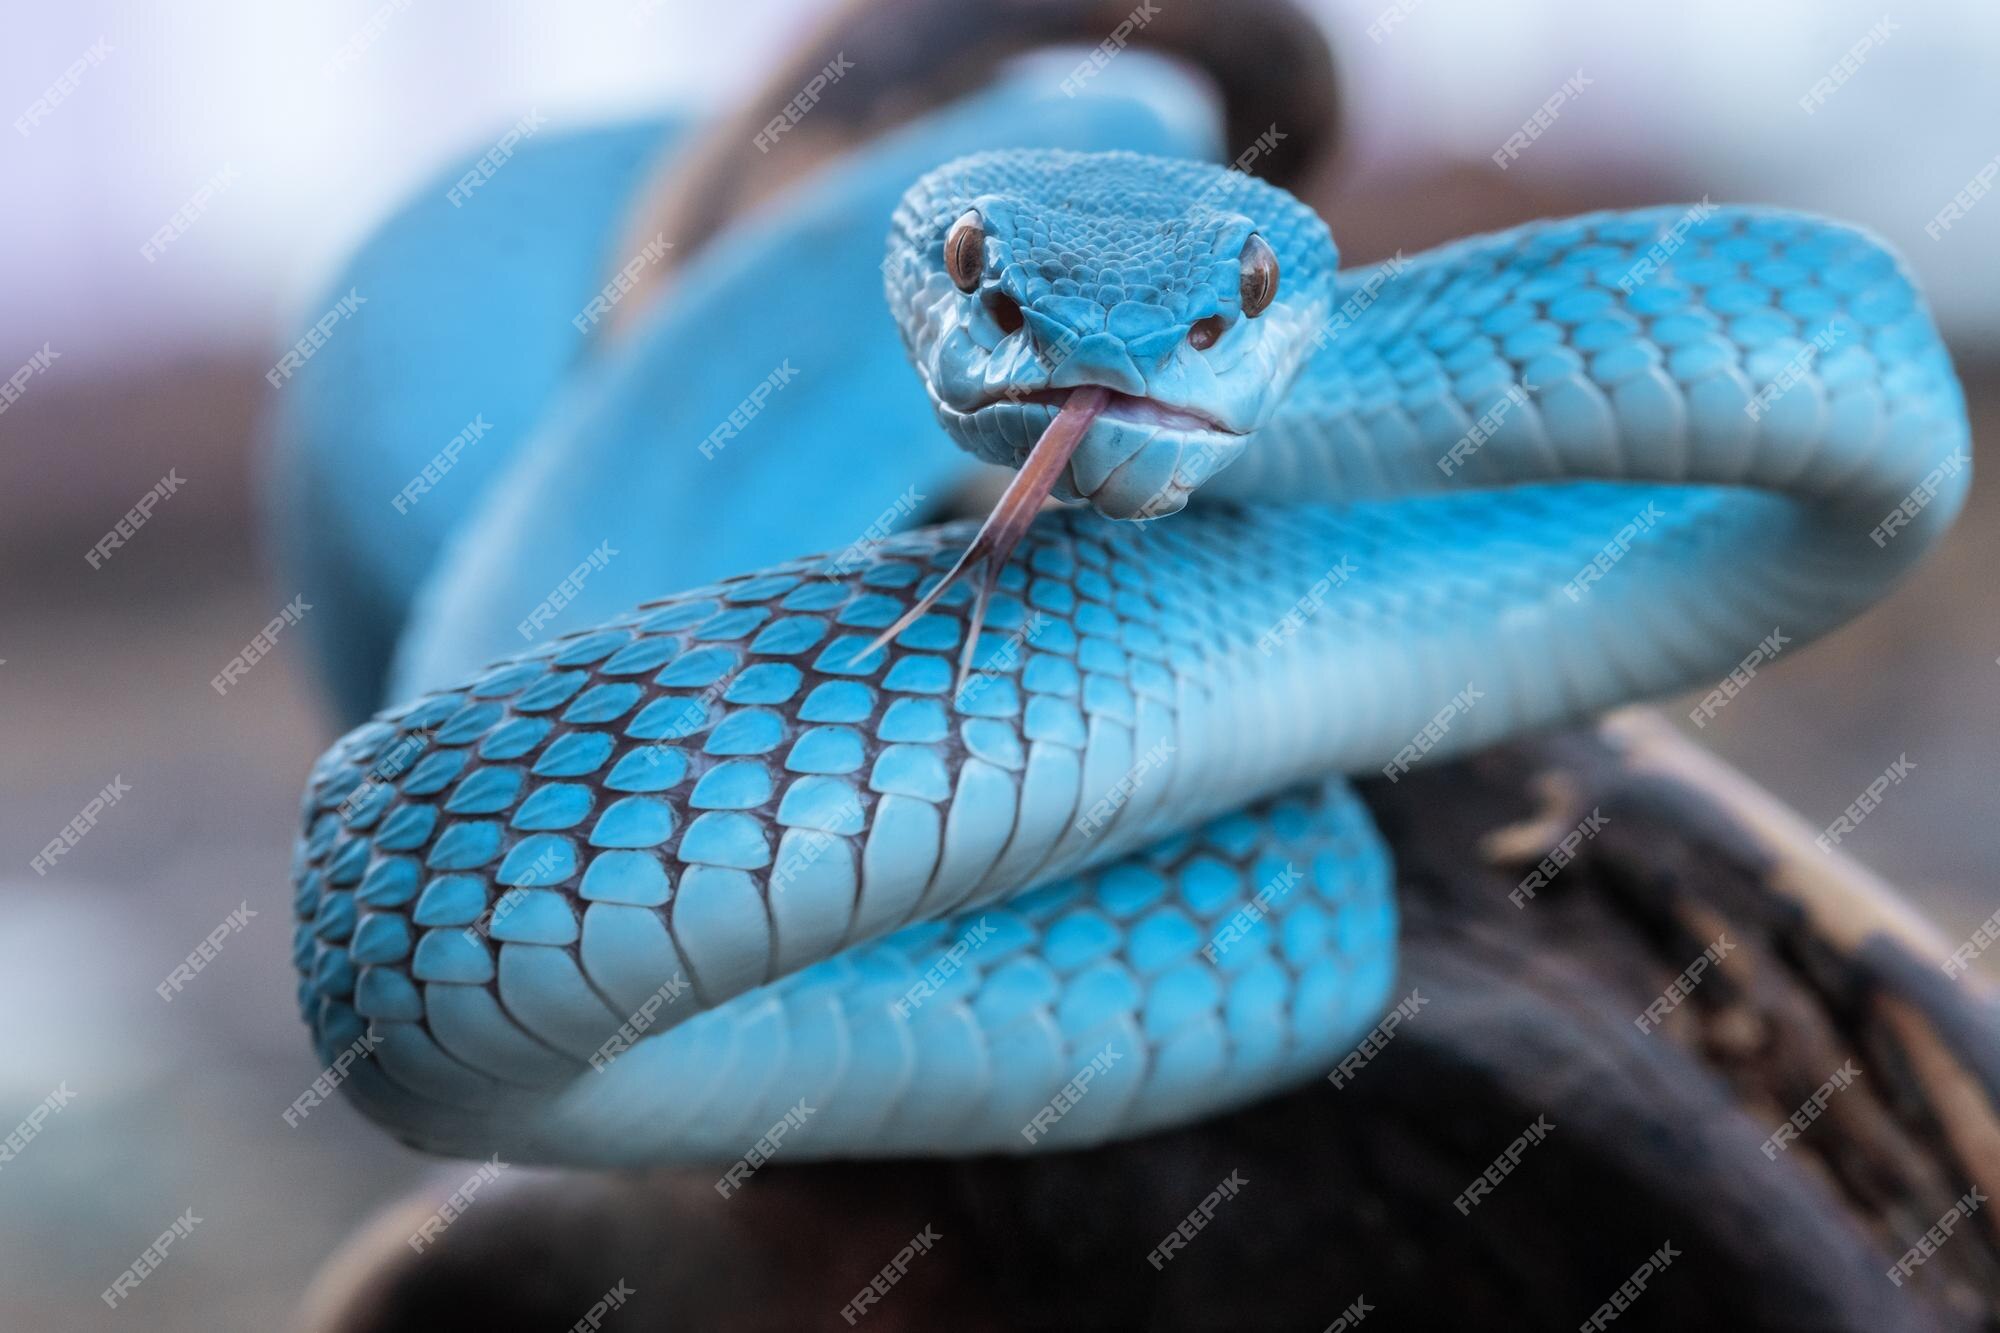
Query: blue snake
867	853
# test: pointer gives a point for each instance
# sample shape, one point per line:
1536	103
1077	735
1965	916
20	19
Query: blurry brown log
1654	1138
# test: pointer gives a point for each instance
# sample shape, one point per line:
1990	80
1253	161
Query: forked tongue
1010	518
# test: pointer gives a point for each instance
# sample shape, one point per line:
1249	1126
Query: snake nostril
1006	311
1204	333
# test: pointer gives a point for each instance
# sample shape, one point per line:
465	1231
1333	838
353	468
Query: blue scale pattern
1112	857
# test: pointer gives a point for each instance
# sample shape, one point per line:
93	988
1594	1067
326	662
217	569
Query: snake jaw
1009	521
1139	409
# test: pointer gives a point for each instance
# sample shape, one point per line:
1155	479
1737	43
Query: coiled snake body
649	892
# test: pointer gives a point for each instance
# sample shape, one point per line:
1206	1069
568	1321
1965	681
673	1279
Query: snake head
1188	292
1113	327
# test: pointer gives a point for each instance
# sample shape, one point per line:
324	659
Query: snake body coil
652	891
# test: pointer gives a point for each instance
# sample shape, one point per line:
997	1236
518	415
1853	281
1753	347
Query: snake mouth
1010	518
1041	473
1134	408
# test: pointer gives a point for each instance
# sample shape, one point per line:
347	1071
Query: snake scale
712	872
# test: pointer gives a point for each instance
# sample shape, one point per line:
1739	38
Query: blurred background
305	134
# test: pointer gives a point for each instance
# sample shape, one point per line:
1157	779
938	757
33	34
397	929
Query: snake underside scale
1102	859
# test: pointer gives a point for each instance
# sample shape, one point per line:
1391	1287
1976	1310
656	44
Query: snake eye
1260	275
965	251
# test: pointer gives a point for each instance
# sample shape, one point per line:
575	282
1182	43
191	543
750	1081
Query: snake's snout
1080	361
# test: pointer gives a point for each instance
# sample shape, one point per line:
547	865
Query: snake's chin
1140	458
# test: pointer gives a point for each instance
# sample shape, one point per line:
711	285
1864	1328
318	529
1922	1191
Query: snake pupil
965	251
1260	275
